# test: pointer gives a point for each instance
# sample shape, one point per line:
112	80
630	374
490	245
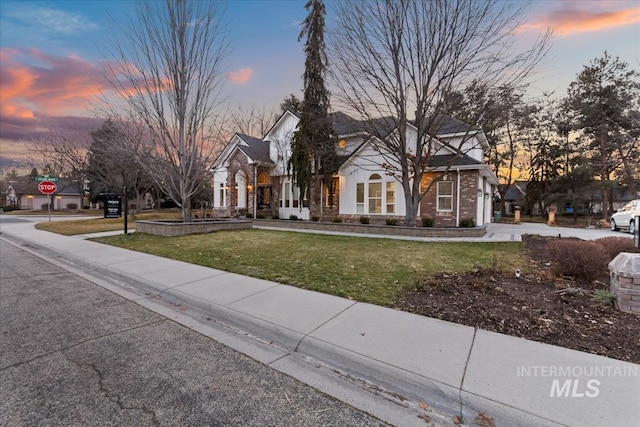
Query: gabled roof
256	149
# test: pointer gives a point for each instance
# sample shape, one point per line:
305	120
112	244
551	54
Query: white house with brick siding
250	175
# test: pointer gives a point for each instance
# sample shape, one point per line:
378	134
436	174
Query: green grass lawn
97	225
376	271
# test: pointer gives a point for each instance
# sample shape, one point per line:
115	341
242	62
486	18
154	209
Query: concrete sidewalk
456	370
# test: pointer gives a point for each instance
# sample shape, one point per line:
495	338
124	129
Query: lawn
97	225
376	271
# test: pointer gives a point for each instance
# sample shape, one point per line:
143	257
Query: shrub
337	219
275	216
467	223
249	215
293	217
604	296
577	258
392	221
315	218
428	222
9	208
615	245
260	216
364	220
72	206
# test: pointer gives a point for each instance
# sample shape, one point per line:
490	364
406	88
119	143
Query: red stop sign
47	187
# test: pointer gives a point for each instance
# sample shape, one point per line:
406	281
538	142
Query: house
24	194
250	175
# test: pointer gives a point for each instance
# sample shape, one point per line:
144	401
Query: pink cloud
570	19
241	76
34	82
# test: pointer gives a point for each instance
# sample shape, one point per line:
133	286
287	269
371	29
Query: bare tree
405	58
169	75
252	121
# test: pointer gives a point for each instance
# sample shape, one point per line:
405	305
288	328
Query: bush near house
392	221
315	218
467	223
293	217
428	222
337	219
364	220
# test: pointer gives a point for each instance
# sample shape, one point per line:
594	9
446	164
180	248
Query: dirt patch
535	306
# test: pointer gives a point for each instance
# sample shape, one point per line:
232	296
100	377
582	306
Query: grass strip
376	271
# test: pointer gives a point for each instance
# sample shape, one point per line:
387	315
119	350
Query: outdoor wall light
480	192
486	196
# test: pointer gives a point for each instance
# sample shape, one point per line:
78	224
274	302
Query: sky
53	57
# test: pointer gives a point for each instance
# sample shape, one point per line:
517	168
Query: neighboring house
515	196
25	195
250	175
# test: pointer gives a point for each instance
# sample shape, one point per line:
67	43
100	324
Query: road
75	354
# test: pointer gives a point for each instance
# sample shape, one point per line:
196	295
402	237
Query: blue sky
51	49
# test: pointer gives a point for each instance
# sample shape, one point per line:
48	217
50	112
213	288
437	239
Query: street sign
46	178
47	187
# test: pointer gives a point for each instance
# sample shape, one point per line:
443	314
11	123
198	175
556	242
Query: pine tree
313	145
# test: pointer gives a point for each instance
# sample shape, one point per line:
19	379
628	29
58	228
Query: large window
360	198
391	197
223	195
445	196
375	194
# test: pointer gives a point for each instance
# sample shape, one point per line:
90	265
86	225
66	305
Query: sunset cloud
33	82
573	18
241	76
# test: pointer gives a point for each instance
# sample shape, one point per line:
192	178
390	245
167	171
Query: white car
625	216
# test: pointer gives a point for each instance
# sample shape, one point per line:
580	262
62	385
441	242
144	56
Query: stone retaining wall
178	228
387	230
625	281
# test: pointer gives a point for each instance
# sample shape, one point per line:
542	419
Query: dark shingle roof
447	125
256	149
442	160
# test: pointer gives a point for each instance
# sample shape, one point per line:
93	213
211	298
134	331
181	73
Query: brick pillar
625	281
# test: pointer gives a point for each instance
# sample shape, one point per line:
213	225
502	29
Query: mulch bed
538	307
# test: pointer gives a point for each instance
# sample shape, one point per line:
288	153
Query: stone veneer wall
388	230
172	229
625	281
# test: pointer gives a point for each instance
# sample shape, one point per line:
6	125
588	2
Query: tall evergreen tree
604	96
313	145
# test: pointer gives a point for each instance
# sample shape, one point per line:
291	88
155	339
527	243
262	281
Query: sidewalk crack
322	324
464	373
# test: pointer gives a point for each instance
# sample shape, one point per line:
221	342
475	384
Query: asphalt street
75	354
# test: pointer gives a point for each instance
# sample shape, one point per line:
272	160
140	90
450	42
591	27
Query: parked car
625	216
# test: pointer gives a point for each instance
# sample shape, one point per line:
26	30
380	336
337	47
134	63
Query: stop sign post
48	188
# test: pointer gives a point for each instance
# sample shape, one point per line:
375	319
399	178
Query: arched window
375	194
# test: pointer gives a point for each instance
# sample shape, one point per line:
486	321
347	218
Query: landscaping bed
538	305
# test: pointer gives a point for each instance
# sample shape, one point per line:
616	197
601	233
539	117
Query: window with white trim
375	194
360	198
445	196
223	195
391	197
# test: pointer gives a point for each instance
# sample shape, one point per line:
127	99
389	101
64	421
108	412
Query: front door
264	198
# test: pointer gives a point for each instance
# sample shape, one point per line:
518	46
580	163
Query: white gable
279	137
